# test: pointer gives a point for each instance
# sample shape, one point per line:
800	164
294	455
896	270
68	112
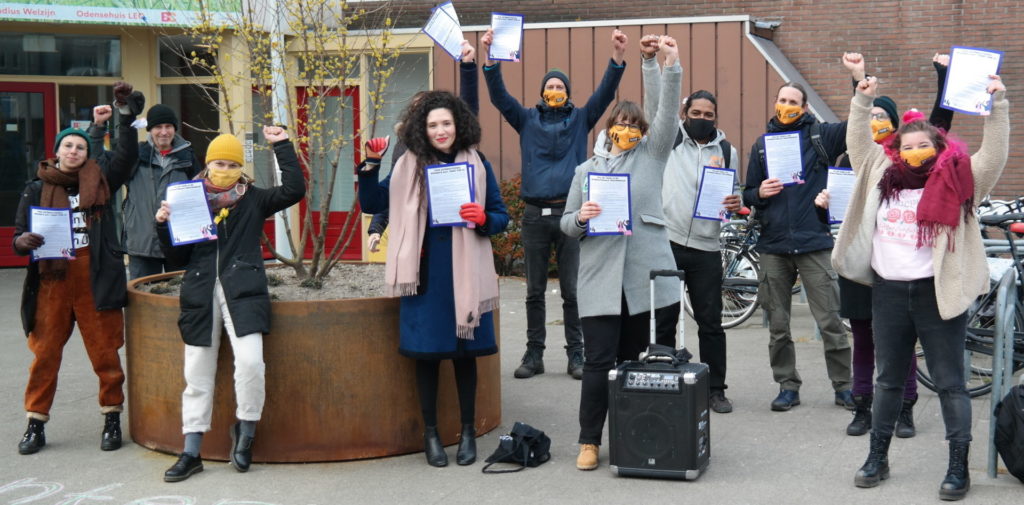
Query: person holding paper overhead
552	141
795	239
695	245
911	232
89	290
225	286
444	274
614	269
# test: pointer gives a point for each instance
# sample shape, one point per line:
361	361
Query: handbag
524	446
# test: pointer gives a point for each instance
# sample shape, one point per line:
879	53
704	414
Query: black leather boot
861	416
182	469
905	421
958	478
876	468
33	439
241	448
467	446
433	448
111	440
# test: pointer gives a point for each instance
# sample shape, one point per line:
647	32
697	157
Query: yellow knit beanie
225	147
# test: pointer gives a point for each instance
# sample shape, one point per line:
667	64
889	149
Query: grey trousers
777	277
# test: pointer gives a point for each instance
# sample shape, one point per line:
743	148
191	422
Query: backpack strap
819	145
726	152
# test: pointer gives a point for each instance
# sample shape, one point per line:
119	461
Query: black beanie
160	114
889	106
557	74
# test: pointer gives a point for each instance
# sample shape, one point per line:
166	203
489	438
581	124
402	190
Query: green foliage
508	246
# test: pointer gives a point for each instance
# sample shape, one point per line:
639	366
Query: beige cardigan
960	275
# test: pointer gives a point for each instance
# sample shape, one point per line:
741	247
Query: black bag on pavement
523	446
1010	431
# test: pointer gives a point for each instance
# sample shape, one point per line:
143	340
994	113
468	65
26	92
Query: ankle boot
905	421
111	440
876	468
861	416
433	448
958	478
467	446
33	439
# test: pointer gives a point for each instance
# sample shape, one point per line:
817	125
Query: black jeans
904	312
704	283
141	266
540	233
610	340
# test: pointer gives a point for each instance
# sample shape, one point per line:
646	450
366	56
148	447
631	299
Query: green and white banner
121	12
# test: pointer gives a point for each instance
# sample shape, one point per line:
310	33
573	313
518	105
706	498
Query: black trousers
607	340
704	284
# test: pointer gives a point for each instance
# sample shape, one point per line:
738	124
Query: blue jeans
904	312
540	234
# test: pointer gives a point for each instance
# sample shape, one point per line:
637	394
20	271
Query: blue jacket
552	141
790	221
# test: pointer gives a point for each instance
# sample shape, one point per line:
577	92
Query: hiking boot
861	416
719	403
786	400
575	368
33	439
876	468
587	459
958	478
533	364
845	400
905	420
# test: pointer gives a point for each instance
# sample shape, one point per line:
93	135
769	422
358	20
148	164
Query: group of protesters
895	292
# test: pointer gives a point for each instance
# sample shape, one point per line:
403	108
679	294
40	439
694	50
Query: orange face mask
917	157
624	137
881	129
555	98
788	114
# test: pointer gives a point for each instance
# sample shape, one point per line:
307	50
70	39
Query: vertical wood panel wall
716	56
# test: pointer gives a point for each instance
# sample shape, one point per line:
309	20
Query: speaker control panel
651	381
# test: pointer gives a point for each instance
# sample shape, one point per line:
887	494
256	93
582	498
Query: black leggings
465	381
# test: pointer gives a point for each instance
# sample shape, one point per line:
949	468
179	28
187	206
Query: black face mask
699	129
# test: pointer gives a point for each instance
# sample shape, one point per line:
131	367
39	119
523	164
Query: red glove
473	212
376	147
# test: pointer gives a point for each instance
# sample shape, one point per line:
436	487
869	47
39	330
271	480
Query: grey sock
247	428
192	443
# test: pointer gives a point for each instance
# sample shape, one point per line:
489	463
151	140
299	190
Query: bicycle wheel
739	286
979	377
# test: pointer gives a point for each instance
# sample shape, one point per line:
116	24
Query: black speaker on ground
658	421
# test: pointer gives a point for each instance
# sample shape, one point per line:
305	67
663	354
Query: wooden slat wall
715	56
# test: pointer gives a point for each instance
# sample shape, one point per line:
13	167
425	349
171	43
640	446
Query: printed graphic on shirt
716	161
78	223
897	218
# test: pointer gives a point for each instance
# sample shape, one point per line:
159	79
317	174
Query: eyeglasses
880	116
631	127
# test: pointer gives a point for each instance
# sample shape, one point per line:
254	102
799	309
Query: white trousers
201	371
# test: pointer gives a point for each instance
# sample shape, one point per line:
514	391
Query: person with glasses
614	269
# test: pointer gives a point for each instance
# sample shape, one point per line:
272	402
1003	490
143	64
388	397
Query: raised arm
293	185
664	124
129	104
604	95
859	145
510	108
651	71
940	118
987	164
468	81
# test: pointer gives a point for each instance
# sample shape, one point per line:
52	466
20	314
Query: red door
28	126
346	123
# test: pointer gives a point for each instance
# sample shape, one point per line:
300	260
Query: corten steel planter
337	389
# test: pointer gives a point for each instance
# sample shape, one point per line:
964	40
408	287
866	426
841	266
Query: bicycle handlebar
999	219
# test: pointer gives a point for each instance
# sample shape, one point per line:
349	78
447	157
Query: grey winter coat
611	265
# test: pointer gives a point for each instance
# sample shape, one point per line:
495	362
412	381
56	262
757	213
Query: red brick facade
897	37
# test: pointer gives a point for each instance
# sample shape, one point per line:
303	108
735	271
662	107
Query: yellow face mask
224	178
788	114
881	129
625	137
555	98
917	157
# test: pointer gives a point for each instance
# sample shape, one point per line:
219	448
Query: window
50	54
176	57
411	75
196	106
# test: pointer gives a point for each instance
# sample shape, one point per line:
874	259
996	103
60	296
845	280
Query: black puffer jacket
235	257
106	260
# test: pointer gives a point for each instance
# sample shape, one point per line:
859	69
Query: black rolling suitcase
658	422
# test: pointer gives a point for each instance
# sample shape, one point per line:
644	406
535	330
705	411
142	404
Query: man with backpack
795	240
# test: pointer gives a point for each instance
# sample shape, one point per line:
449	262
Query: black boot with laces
876	468
958	478
111	440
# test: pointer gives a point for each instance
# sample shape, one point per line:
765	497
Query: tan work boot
587	460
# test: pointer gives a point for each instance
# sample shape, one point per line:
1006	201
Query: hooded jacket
552	140
790	222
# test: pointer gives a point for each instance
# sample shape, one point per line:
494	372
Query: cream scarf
475	280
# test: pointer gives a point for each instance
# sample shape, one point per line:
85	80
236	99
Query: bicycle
981	315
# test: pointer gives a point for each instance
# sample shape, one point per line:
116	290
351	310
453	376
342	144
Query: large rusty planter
337	389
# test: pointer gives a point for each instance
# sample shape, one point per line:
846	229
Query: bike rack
1002	358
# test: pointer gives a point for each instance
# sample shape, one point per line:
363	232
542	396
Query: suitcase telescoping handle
682	297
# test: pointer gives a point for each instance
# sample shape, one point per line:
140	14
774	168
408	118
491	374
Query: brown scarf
93	192
475	280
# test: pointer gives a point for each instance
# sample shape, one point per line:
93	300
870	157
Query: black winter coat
235	257
106	259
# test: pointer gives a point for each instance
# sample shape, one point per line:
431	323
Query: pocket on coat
243	279
655	220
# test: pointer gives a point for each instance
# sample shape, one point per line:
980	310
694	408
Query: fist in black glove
121	92
28	242
136	102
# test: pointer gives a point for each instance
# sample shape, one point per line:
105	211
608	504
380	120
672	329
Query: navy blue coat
427	319
552	141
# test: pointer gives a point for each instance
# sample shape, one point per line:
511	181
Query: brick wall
897	37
